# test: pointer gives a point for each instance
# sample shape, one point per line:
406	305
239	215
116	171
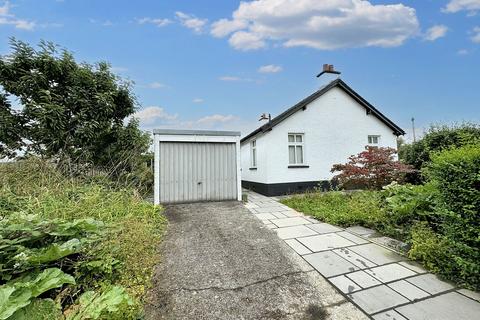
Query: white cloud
471	6
191	22
159	22
215	119
242	40
318	24
229	78
156	85
7	18
152	114
476	35
435	32
463	52
234	78
197	100
224	27
270	68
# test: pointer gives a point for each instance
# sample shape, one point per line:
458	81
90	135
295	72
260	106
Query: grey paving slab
376	253
271	226
430	283
354	258
413	266
266	209
288	222
352	237
329	264
324	228
408	290
279	215
390	272
361	230
266	221
294	232
265	216
377	299
344	284
298	247
291	213
324	242
363	279
444	307
389	315
471	294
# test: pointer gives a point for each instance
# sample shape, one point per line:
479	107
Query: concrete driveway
220	262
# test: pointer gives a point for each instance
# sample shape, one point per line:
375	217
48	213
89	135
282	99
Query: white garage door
197	171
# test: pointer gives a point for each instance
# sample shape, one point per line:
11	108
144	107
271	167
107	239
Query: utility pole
413	129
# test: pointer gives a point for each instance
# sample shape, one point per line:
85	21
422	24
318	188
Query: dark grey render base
277	189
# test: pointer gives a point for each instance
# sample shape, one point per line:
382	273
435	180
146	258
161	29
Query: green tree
70	111
438	138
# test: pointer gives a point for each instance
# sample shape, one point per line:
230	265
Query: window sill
292	166
252	168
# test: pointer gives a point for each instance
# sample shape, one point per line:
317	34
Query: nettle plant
371	169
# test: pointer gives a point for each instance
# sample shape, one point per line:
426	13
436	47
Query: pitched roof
302	104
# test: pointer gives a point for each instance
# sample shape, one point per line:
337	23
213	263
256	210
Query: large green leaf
93	305
50	253
39	309
19	292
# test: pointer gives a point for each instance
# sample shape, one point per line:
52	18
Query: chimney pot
326	67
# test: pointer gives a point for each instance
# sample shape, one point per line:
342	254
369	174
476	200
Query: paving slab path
382	283
220	262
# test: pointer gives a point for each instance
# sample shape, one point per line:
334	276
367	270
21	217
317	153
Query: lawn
95	243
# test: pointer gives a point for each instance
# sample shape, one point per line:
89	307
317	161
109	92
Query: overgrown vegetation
439	219
73	248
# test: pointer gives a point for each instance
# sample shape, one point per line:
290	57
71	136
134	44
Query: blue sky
220	64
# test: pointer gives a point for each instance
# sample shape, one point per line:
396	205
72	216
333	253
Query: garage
196	165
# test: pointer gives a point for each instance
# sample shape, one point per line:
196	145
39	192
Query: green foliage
406	205
39	309
106	238
72	112
443	255
438	138
93	305
340	208
19	292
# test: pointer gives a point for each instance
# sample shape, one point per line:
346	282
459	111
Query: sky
219	64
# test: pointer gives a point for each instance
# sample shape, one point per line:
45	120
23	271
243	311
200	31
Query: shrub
405	205
437	138
451	259
371	169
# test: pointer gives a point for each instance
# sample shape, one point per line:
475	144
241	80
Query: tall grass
38	187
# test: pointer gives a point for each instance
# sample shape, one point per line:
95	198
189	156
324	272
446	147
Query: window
373	139
296	148
253	148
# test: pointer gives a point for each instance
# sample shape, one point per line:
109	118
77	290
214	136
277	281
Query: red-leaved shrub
372	169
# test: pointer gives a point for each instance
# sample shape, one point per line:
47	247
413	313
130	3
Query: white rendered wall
335	127
259	175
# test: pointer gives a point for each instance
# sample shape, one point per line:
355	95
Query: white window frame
253	154
296	144
371	138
